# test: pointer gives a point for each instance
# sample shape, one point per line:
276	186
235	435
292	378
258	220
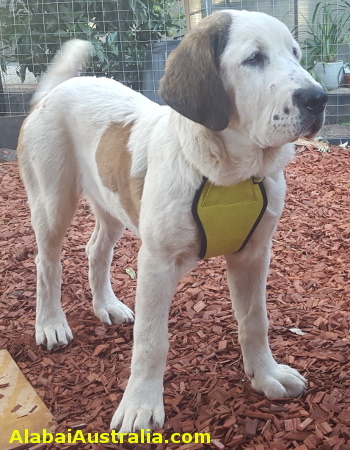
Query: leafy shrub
326	33
120	31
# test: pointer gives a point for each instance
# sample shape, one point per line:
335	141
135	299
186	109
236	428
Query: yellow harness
227	215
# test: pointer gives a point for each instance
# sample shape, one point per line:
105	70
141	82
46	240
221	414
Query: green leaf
36	28
85	28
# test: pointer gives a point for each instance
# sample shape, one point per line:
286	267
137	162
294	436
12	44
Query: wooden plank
20	406
187	14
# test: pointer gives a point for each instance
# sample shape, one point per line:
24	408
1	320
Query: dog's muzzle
311	103
313	100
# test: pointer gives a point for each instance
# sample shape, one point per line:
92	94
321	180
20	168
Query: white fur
59	141
64	65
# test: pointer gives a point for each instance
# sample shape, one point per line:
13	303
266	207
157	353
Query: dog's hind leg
106	305
50	181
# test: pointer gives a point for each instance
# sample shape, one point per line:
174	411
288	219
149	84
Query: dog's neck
227	157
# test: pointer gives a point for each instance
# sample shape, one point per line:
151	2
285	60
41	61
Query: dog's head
241	70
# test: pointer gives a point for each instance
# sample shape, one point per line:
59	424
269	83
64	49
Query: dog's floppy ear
191	83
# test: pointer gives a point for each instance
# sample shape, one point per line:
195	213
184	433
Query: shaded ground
7	155
205	386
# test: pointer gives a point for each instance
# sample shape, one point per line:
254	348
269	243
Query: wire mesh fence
126	36
132	38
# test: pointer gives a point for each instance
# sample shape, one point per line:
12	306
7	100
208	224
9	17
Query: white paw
53	332
278	381
141	408
113	311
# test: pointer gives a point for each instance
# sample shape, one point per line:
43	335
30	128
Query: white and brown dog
237	97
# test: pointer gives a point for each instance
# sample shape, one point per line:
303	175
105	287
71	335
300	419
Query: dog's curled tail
66	64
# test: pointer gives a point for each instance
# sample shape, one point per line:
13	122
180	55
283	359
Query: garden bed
205	386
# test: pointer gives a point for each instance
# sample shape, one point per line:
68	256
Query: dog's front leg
246	277
142	404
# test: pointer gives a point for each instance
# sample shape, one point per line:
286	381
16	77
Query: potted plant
327	33
346	68
120	32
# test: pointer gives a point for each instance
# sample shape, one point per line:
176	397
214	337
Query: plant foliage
120	31
326	33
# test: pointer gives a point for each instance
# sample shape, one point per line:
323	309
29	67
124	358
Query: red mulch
205	386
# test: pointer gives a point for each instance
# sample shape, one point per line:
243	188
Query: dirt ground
205	386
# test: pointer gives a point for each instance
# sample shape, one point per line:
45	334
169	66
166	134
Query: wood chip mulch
205	386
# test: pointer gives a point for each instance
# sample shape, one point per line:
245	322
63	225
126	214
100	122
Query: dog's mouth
315	127
309	126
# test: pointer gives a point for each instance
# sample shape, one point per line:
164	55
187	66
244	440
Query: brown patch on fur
19	150
114	164
192	84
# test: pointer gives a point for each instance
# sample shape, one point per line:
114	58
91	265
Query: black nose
314	99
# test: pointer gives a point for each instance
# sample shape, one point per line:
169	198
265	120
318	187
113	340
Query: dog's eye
256	59
295	52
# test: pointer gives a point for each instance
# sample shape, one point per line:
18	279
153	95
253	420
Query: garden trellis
121	33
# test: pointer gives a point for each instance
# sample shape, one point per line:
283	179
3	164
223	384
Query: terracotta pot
347	80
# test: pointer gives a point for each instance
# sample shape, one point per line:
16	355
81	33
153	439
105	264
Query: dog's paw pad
282	381
114	313
53	336
141	407
133	418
